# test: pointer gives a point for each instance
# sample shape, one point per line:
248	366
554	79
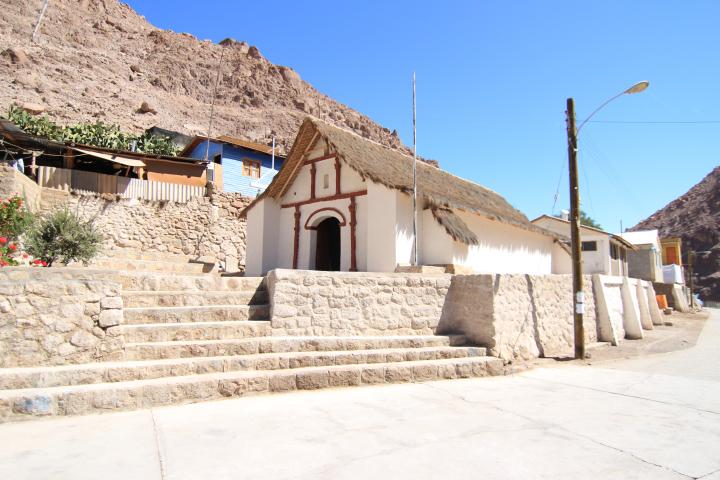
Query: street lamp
578	294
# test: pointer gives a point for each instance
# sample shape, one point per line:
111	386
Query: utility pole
578	294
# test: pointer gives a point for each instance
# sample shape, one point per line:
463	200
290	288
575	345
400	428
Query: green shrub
62	236
15	219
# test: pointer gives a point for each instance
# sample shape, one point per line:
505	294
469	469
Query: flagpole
415	243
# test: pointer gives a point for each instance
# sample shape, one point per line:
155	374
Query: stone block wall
517	316
13	182
625	308
207	227
57	316
345	303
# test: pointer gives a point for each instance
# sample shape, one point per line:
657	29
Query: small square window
589	246
326	181
251	168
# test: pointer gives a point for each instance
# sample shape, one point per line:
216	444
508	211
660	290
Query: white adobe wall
381	250
502	248
262	235
561	260
593	262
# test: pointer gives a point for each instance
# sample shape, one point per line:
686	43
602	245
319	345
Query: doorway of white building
327	250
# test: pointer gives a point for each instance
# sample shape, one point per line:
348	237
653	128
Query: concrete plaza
654	417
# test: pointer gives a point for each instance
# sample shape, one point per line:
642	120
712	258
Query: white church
344	203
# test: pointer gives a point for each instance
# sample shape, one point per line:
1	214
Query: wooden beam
353	243
325	199
337	175
296	240
320	159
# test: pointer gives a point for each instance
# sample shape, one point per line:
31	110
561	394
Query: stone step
127	265
279	344
206	313
103	397
168	332
131	254
151	281
134	299
108	372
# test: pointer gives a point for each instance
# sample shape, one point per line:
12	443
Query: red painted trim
359	193
331	209
296	241
320	159
313	171
353	224
337	176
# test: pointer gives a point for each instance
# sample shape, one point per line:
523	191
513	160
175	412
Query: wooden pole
578	294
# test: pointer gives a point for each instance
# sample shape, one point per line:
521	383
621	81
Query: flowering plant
7	251
15	219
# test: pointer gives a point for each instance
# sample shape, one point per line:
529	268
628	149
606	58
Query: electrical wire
650	122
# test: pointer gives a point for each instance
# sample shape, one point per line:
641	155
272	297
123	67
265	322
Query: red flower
25	255
43	263
12	247
3	240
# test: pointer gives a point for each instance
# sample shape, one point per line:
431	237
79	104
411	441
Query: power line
651	122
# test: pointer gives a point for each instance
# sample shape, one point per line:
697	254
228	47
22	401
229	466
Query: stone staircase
193	336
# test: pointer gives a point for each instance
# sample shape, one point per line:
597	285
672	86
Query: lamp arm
582	124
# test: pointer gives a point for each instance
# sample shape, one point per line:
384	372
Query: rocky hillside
100	60
695	217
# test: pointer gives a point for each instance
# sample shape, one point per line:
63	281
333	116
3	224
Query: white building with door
602	252
646	261
342	202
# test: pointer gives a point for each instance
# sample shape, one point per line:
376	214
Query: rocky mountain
100	60
695	217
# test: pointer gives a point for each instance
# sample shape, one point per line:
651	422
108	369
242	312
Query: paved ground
656	417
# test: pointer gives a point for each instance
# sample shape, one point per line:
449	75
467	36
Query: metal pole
415	243
212	103
272	165
40	17
691	260
578	294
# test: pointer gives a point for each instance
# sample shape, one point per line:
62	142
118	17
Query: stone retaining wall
626	307
12	182
205	227
57	316
517	316
343	303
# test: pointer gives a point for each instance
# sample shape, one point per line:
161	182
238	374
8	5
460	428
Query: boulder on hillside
145	107
32	108
15	55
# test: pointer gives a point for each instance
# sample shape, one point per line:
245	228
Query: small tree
63	236
588	221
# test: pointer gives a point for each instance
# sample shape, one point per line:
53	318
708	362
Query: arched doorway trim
311	224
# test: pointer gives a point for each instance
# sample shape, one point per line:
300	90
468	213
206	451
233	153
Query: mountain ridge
100	60
695	218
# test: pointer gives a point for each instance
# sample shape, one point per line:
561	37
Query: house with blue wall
239	165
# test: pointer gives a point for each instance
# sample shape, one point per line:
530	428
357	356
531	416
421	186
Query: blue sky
492	80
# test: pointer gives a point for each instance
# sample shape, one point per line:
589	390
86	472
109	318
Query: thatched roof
439	189
454	226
